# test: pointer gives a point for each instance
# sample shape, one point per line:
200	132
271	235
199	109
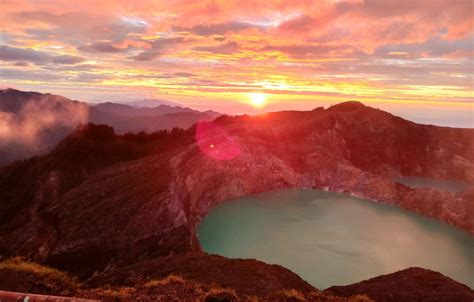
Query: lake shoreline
258	207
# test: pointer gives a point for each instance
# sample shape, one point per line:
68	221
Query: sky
414	57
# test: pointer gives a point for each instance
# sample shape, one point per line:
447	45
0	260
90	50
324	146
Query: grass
170	279
250	299
61	283
293	294
120	292
219	293
360	298
50	277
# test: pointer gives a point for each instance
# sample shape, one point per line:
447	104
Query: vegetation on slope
18	274
88	149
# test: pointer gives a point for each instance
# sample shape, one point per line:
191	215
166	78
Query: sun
257	99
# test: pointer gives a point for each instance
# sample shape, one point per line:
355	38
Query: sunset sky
405	54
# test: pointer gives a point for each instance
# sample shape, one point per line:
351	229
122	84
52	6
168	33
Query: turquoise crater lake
335	239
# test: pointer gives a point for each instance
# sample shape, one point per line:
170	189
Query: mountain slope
100	203
197	276
150	206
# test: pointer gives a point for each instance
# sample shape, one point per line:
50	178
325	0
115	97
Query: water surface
335	239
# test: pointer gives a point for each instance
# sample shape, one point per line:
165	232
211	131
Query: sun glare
257	99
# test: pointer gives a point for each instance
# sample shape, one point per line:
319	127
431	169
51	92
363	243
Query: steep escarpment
30	190
147	203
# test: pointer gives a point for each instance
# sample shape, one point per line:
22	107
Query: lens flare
215	142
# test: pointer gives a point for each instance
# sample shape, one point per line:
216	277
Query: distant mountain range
126	118
150	103
32	123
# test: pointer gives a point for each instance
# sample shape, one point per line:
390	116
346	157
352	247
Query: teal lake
335	239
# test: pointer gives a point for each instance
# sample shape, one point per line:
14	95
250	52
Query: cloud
434	47
396	8
396	31
82	27
36	116
147	55
22	64
302	50
102	47
31	75
8	53
299	23
15	54
184	74
226	48
217	28
87	77
158	47
66	60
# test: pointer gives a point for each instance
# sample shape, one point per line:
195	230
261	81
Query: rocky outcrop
148	205
410	285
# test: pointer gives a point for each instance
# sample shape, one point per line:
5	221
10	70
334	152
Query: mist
32	126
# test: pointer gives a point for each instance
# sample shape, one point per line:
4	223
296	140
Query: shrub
291	295
51	278
360	298
165	281
251	299
120	293
221	295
